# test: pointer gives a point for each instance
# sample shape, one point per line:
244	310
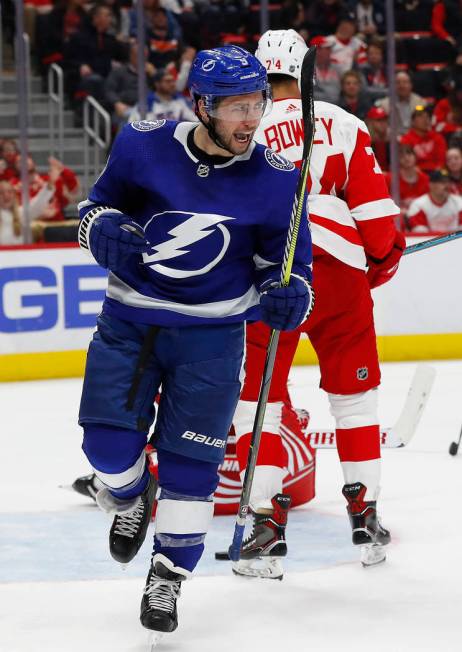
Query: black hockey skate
129	528
263	549
367	531
87	485
162	590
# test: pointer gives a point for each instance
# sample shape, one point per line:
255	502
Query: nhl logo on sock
203	170
362	373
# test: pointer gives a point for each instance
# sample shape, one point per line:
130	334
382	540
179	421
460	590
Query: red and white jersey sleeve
344	54
351	211
425	215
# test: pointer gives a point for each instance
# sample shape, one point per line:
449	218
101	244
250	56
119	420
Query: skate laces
128	524
162	594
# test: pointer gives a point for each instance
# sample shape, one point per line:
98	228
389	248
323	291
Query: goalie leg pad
272	456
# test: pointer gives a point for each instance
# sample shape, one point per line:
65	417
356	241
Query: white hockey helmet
281	51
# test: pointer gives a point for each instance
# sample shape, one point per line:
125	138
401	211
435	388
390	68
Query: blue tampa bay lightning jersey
217	230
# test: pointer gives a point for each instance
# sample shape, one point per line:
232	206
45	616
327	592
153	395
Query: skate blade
372	554
264	567
154	639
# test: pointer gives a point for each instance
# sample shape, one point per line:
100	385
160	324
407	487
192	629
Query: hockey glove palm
285	308
113	237
381	271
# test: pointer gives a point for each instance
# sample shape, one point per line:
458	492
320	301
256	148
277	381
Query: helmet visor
239	108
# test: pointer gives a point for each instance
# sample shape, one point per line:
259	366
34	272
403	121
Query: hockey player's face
237	119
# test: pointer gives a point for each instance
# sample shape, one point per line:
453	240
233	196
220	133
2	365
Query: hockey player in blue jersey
191	222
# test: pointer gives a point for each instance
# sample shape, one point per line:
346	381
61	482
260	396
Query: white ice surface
60	591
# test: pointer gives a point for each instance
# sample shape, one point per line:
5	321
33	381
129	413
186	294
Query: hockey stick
433	242
396	437
404	429
454	447
306	85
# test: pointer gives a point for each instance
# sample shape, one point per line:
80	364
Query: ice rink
61	592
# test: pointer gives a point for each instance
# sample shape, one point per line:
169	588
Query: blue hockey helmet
229	70
226	72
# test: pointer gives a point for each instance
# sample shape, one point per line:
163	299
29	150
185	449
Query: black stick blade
453	448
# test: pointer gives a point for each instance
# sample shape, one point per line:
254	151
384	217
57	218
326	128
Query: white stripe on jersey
349	253
126	295
373	210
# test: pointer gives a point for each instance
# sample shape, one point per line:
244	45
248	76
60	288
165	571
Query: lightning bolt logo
192	230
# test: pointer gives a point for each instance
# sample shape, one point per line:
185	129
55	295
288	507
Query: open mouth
243	138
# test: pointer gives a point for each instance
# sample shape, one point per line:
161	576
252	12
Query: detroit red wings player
356	247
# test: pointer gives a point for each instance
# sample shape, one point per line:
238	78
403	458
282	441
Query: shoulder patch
277	161
147	125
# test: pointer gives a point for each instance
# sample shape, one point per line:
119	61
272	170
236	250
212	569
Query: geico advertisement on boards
49	299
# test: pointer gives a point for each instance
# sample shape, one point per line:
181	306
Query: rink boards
50	297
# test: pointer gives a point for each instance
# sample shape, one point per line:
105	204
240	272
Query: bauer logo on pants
203	439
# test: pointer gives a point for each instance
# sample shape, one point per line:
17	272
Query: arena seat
415	48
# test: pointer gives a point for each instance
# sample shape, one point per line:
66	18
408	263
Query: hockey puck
453	448
222	556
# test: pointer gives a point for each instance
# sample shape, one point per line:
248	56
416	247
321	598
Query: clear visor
240	108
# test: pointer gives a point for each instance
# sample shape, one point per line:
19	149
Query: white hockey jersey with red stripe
344	54
351	211
426	215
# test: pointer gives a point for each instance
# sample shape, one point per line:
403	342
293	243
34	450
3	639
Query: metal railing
56	109
22	60
27	65
96	141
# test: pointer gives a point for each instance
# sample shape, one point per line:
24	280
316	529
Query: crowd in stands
49	194
95	43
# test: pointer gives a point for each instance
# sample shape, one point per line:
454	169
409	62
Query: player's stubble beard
235	140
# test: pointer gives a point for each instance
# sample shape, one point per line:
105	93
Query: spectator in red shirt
447	115
429	146
377	122
65	183
412	182
438	210
447	21
454	168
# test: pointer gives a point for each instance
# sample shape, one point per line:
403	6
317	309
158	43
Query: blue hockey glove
112	237
285	308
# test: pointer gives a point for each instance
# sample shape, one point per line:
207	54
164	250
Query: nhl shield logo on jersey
362	373
147	125
203	170
277	161
186	244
